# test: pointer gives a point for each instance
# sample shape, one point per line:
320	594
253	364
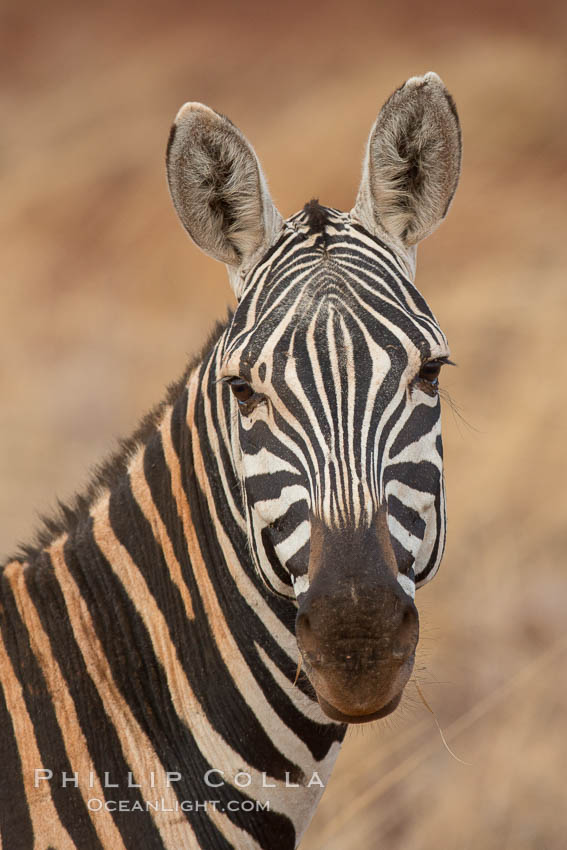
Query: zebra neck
252	628
167	651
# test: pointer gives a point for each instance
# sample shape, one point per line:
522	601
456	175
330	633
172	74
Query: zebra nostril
314	659
409	621
407	634
303	624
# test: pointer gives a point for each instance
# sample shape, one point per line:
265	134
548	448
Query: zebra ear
412	163
219	190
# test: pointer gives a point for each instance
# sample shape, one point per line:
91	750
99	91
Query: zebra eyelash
436	362
246	397
427	379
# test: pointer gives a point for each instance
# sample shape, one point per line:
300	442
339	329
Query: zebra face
334	374
331	365
333	371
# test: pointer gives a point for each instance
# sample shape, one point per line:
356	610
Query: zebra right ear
219	190
412	163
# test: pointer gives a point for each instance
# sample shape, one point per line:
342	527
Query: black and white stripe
149	688
333	335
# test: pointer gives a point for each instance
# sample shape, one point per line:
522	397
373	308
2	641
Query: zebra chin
371	696
340	717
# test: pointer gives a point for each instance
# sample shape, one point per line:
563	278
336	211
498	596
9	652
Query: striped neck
168	651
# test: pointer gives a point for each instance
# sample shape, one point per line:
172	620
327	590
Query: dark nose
356	628
358	625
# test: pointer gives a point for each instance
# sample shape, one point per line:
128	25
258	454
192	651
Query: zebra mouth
361	699
337	715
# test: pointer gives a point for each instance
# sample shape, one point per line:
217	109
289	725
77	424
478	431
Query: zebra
183	647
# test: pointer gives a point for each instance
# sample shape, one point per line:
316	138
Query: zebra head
330	366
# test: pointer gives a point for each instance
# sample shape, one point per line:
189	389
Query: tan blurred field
103	297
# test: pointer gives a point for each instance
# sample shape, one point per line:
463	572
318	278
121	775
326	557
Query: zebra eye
428	376
241	390
430	371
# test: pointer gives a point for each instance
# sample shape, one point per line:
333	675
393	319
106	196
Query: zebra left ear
412	163
219	190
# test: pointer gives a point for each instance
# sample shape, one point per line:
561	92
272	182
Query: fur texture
412	162
316	216
218	188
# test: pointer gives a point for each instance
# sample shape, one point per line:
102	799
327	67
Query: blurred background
103	297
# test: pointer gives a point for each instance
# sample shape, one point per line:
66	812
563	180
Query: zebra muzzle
356	629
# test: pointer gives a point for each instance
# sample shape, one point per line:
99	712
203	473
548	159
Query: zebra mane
67	515
317	215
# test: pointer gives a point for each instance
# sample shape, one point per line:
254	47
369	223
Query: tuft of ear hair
412	163
218	188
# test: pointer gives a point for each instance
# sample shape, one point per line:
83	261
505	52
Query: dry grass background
103	297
